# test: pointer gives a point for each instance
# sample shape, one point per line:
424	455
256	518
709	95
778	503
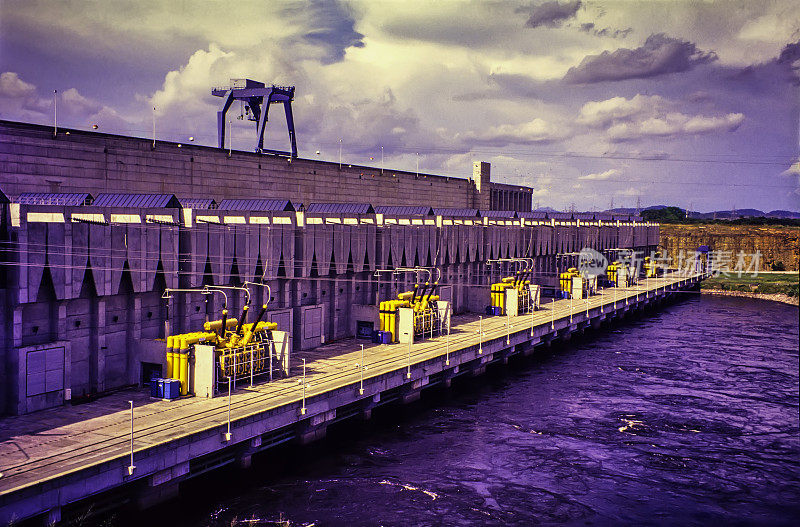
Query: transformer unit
226	350
414	315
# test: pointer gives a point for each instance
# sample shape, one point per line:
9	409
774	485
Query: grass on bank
764	283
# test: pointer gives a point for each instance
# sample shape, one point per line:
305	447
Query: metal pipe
224	322
424	289
242	319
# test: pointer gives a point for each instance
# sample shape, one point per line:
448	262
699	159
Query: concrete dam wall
33	160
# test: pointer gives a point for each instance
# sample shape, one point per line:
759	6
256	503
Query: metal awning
508	214
62	199
340	208
401	210
139	201
456	213
257	205
532	215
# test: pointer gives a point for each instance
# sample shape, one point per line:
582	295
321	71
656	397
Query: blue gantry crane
253	95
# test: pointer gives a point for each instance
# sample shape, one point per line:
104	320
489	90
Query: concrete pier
62	459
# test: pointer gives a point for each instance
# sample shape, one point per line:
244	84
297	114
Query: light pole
55	113
131	467
553	314
340	154
571	296
417	164
508	328
303	408
230	138
381	160
532	308
361	372
154	126
408	372
228	433
480	335
447	345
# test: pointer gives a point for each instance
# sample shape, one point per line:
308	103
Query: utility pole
55	113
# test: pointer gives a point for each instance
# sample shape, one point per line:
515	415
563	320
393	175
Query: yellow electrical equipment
419	302
650	268
611	272
233	340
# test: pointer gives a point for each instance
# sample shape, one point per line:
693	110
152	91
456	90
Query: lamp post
340	154
408	372
303	407
131	467
553	314
381	160
55	113
361	372
228	433
571	296
480	335
154	126
417	164
447	345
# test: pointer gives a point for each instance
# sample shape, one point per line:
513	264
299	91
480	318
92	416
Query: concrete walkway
48	444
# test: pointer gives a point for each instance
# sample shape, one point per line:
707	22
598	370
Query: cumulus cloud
598	114
20	100
12	86
644	116
608	174
531	132
673	125
659	55
550	14
330	25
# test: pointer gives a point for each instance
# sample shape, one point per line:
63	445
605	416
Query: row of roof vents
169	201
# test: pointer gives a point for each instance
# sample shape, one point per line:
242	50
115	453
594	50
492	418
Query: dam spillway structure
98	229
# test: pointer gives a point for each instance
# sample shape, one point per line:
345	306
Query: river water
688	415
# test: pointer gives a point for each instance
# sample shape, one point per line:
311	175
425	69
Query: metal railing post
408	372
480	335
303	407
131	466
228	433
361	372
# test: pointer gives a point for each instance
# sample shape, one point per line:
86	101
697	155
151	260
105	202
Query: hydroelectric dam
169	309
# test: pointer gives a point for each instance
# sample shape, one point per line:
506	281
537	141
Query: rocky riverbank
777	297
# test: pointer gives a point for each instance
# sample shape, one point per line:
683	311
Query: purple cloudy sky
676	102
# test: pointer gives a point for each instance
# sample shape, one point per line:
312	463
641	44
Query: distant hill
783	214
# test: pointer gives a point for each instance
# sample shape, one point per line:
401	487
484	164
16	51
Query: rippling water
686	416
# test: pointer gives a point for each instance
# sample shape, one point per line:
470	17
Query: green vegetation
678	215
764	283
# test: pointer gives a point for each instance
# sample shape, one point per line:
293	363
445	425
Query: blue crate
155	384
172	388
376	336
386	337
489	310
497	311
